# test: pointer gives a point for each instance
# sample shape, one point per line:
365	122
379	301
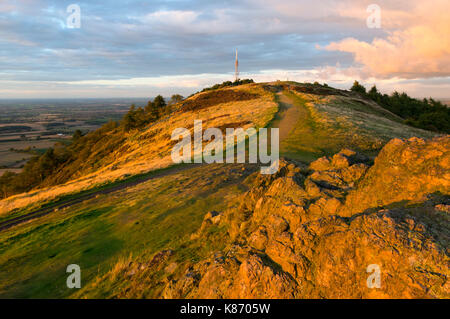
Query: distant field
20	145
11	155
30	127
447	102
14	170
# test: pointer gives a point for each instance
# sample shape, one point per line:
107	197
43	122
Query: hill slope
313	232
320	113
224	230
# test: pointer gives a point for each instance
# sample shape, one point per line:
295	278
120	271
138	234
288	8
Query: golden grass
149	149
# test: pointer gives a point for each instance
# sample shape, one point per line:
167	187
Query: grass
306	140
103	234
327	124
54	203
158	214
149	149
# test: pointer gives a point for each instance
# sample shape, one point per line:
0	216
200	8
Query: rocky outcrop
339	228
404	171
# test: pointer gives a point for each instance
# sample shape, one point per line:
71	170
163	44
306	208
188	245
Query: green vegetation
227	84
87	153
15	128
308	139
158	214
140	117
427	114
62	162
356	125
329	121
133	223
65	160
176	98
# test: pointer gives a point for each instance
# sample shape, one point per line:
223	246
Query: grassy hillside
329	123
107	232
114	154
311	233
325	120
158	214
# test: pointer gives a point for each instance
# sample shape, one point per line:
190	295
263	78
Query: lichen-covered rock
404	171
333	230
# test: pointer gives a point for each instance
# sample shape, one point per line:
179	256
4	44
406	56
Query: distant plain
29	127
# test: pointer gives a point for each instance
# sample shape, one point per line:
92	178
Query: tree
151	111
374	94
77	135
155	109
426	113
159	102
176	98
139	117
129	121
358	88
7	183
148	108
373	91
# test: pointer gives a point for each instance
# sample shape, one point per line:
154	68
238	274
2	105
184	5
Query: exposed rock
171	268
321	164
317	234
404	171
160	258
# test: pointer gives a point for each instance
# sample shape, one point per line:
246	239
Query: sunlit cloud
421	49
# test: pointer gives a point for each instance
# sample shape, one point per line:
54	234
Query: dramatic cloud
142	48
420	49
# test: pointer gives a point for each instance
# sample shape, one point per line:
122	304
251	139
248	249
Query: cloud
135	47
173	18
419	48
186	84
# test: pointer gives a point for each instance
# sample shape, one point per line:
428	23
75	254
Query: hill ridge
140	151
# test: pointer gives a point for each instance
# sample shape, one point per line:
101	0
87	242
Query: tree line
427	113
154	110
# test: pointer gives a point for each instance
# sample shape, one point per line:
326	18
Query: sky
132	48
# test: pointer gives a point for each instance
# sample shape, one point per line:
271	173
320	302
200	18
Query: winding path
285	120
